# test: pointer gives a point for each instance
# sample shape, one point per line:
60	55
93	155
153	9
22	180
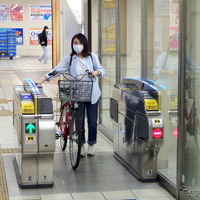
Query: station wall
29	46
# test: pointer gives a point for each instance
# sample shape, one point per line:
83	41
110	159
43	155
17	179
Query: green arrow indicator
30	127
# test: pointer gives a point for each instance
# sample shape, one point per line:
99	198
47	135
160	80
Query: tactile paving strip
13	150
3	186
5	113
3	101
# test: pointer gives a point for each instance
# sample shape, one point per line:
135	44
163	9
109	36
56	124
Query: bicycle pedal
57	134
57	123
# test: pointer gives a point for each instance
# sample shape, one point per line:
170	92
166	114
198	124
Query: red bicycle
71	91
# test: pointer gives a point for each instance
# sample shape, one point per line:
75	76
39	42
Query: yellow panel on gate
151	104
27	107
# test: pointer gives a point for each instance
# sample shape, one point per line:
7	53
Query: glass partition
189	182
121	23
108	58
162	68
126	60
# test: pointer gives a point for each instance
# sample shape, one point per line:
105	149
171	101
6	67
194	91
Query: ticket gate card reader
138	128
27	104
34	123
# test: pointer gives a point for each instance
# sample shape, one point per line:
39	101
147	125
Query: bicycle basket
75	90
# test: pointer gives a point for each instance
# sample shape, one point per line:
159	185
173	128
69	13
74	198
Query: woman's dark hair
83	40
44	30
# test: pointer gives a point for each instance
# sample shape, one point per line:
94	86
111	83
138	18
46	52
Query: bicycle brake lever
53	73
88	72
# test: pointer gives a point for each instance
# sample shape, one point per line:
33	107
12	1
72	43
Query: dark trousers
92	114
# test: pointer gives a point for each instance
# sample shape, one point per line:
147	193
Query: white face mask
78	48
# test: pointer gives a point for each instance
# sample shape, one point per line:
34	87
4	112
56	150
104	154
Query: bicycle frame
65	126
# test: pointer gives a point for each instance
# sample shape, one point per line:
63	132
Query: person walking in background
80	60
42	38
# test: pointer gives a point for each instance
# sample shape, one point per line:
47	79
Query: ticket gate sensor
33	120
137	127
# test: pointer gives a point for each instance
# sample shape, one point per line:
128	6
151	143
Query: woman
165	71
42	37
80	60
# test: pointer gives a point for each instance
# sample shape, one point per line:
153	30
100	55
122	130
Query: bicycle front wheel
75	138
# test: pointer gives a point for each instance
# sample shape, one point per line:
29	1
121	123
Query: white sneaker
91	151
83	151
40	60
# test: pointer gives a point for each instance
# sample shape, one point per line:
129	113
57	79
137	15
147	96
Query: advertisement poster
40	13
158	27
108	28
174	22
5	13
34	36
109	4
16	12
19	36
161	8
11	13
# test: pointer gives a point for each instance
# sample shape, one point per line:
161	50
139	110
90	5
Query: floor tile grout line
103	195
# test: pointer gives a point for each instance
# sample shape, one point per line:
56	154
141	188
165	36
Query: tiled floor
98	178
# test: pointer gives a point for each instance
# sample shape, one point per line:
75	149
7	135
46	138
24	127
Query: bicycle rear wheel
62	124
75	138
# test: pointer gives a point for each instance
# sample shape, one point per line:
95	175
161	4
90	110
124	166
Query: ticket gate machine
35	127
137	127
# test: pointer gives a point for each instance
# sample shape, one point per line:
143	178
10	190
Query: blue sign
19	36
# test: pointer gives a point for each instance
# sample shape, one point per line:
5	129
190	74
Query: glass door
189	140
162	69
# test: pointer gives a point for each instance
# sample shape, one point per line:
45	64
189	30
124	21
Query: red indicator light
157	133
175	133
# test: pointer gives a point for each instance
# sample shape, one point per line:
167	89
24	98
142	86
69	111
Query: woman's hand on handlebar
41	81
95	73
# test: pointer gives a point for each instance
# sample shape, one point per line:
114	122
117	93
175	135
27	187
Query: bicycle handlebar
53	73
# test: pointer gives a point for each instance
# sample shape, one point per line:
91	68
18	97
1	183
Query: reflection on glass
165	71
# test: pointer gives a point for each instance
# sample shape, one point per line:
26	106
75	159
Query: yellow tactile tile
5	113
3	186
13	150
3	101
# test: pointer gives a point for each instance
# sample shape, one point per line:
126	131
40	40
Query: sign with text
19	36
16	12
11	13
40	13
34	36
174	25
